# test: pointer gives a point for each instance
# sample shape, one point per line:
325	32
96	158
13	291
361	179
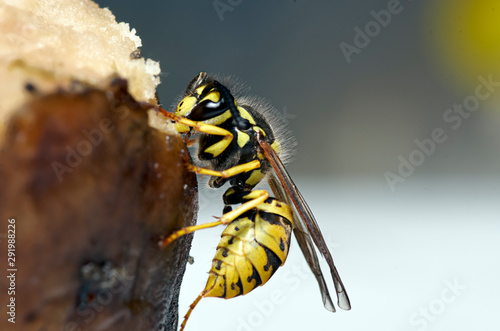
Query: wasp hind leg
255	198
191	307
187	230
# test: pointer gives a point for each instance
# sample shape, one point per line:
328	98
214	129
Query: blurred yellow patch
466	34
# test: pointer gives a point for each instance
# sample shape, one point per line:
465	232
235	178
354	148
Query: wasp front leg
183	125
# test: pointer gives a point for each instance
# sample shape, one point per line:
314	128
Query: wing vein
306	223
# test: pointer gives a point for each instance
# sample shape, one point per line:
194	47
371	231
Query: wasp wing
305	243
306	228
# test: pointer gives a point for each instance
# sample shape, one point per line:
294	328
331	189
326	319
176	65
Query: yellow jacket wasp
237	144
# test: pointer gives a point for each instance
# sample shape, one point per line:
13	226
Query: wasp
237	144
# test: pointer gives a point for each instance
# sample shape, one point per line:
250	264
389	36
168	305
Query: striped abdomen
252	248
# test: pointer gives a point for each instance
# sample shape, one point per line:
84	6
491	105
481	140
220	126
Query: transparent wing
305	243
306	228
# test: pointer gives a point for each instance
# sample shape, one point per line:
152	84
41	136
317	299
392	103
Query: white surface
426	257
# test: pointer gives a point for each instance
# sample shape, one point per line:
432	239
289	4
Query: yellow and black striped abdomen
252	248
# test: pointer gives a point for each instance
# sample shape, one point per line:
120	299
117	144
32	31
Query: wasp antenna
195	82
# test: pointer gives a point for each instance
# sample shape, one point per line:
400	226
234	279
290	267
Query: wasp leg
198	126
191	307
187	230
217	148
241	168
256	198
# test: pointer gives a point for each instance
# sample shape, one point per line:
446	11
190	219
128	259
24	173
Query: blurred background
395	109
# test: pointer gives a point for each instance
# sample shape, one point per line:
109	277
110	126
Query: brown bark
92	188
